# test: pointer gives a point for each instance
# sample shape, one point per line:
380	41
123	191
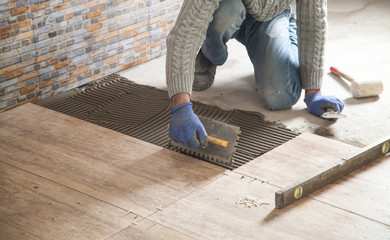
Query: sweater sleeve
312	26
184	41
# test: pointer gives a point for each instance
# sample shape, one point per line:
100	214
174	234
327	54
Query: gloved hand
186	128
317	104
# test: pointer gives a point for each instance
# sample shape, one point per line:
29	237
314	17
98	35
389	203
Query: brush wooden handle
341	74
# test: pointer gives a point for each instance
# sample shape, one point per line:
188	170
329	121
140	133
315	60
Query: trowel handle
341	74
217	141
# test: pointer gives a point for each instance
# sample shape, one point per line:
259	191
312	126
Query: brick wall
52	46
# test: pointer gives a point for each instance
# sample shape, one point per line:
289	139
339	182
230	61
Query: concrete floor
358	43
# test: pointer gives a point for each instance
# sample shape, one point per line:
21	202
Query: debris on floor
249	202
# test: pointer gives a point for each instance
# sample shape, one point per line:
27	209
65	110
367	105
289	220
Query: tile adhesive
143	112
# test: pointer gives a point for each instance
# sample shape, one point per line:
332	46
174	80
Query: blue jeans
272	47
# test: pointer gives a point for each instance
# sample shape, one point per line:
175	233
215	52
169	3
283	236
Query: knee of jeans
279	100
228	17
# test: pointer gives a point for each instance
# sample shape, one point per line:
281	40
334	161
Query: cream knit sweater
185	39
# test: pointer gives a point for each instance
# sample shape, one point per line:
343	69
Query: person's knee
280	96
279	100
230	14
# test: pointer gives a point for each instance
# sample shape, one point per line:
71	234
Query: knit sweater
189	32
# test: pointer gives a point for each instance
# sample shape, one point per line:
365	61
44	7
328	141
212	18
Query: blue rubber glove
317	104
186	128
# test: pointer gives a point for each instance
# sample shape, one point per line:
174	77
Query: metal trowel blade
332	115
214	153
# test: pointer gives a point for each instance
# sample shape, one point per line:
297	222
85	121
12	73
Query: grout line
147	219
122	229
131	224
256	178
313	198
352	212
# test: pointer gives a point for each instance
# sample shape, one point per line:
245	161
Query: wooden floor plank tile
110	166
10	232
34	208
364	192
296	159
149	230
213	213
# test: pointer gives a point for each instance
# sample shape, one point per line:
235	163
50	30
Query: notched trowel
222	138
330	113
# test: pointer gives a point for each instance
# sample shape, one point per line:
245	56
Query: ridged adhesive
143	112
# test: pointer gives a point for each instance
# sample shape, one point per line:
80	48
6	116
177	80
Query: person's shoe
204	73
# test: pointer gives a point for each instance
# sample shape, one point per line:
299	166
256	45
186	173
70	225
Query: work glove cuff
184	105
309	98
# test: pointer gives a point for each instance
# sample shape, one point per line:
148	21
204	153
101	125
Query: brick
111	35
8	55
3	23
25	36
31	81
156	43
30	95
9	96
55	86
78	46
45	57
26	49
20	3
72	68
80	58
46	83
18	11
21	24
6	29
42	51
46	43
55	74
44	78
37	7
53	48
9	83
14	74
4	35
52	34
45	70
6	48
28	76
94	14
21	99
27	90
68	16
42	30
79	71
94	27
26	56
112	59
62	64
48	11
8	69
128	65
77	33
53	61
16	45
